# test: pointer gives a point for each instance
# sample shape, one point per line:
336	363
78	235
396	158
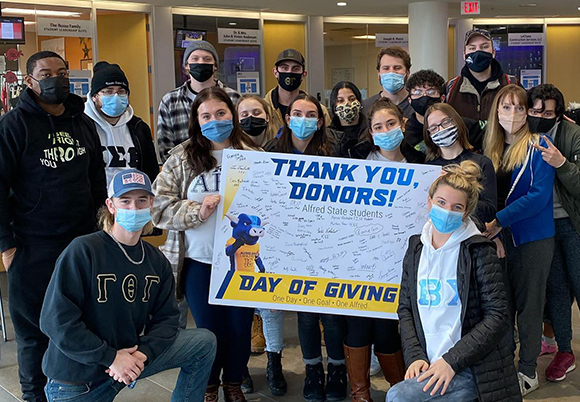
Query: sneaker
375	365
562	364
547	348
247	382
314	383
528	384
336	382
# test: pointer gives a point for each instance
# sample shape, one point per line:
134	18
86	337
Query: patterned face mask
348	112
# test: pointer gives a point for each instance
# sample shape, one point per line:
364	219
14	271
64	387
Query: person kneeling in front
453	306
110	310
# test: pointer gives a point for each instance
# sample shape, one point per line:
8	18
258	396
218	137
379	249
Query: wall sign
386	40
64	27
526	39
304	233
248	82
470	7
239	36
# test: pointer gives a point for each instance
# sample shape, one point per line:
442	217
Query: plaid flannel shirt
173	119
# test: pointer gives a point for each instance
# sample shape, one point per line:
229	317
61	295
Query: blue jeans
273	325
462	388
193	351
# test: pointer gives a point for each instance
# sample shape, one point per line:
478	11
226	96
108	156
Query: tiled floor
158	388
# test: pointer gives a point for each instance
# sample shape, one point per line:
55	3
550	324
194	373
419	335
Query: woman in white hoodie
453	308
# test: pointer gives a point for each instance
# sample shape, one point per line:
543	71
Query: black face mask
422	104
254	126
289	81
201	72
540	125
478	61
54	90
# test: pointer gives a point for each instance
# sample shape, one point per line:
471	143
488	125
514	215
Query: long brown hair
382	104
494	140
198	150
320	143
433	151
271	130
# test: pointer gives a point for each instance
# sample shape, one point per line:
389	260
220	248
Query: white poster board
335	237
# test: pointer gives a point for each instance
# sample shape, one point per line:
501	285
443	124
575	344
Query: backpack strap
450	87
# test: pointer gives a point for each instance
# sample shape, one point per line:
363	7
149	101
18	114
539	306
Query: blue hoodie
529	210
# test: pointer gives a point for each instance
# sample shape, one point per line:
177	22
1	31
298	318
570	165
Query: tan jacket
277	118
172	210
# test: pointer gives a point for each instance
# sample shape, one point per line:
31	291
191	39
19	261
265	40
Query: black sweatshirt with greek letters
98	302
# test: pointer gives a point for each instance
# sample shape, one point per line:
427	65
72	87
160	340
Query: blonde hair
271	130
464	177
494	140
106	221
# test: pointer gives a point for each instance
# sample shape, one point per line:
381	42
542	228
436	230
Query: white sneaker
375	366
528	384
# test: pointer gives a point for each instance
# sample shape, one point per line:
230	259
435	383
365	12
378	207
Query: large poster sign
315	234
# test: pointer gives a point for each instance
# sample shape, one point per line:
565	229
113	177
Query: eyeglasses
445	123
111	92
417	93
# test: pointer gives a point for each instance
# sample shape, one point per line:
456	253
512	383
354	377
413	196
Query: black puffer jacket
485	346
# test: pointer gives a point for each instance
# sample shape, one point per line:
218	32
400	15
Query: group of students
500	246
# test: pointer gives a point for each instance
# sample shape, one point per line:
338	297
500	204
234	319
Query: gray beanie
200	45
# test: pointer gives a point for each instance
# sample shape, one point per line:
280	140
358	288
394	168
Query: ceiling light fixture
341	4
365	37
47	13
528	5
233	23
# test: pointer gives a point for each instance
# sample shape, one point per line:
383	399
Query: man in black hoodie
52	181
472	93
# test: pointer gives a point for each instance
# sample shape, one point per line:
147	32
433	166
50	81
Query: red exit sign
470	7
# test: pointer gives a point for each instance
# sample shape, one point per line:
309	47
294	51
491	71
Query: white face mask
511	123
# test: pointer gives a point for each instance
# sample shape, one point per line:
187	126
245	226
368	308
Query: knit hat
105	75
200	45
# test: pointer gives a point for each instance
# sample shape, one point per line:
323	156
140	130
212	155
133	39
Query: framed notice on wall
342	74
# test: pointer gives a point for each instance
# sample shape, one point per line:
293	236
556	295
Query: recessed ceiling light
233	23
365	37
528	5
341	3
51	13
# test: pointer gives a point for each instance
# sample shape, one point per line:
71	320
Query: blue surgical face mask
390	140
392	82
133	220
303	127
445	221
217	130
114	105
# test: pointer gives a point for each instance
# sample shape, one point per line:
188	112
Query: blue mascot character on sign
243	248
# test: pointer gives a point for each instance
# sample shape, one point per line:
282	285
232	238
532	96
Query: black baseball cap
290	54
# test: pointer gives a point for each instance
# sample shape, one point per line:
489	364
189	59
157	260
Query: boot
358	363
274	375
336	382
233	392
247	382
212	393
258	339
393	366
314	383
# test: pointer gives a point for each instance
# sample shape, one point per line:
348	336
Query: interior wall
451	53
277	37
73	49
563	59
122	40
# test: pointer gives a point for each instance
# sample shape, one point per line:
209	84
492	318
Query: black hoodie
52	178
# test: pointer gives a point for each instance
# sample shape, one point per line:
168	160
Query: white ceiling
376	8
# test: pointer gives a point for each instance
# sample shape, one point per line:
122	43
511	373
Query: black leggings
384	334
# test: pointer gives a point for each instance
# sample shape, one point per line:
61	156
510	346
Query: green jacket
568	175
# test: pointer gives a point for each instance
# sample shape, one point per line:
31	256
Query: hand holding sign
208	206
551	155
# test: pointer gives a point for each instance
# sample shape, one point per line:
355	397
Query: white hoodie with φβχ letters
437	296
